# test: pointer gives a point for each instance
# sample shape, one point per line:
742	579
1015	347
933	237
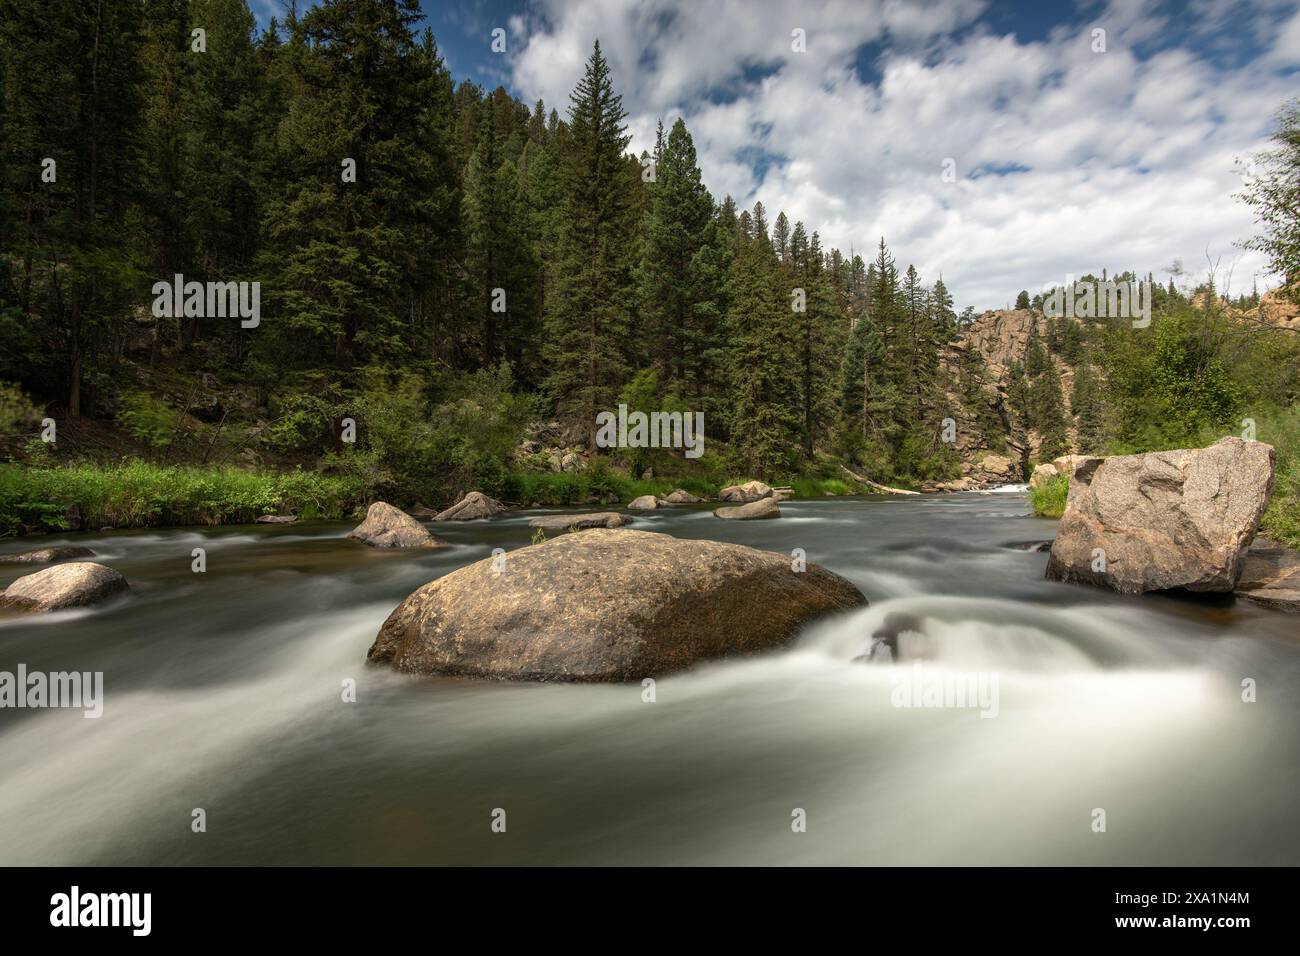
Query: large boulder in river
606	605
388	527
473	506
749	491
763	508
46	555
1167	519
643	503
79	584
558	524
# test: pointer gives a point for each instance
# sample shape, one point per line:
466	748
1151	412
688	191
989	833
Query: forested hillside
470	280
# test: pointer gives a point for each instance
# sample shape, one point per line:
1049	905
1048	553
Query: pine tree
944	318
1047	414
681	209
587	309
764	393
347	259
499	253
1086	405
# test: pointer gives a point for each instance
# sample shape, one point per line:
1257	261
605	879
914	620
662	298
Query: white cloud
1126	162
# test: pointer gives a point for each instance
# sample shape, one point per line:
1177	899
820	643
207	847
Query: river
224	692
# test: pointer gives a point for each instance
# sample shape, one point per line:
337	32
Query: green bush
16	412
149	420
1048	499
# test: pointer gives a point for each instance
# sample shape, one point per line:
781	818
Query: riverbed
225	692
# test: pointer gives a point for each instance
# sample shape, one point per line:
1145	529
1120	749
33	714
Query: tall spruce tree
764	392
587	309
675	231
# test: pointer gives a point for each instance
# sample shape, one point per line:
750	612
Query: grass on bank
141	494
1048	499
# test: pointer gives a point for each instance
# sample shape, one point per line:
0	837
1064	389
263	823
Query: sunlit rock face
1169	519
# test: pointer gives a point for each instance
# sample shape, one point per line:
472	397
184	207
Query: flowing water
223	691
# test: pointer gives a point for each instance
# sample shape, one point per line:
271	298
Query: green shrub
149	420
16	412
1048	499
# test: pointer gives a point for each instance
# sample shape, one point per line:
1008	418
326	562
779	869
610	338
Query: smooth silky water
223	691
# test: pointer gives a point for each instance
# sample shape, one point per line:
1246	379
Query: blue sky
1072	150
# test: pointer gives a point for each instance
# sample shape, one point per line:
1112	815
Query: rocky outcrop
46	555
387	527
644	503
749	491
606	605
1270	576
994	469
680	497
79	584
763	508
472	507
1169	519
558	524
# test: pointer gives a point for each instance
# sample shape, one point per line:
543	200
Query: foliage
1048	499
138	494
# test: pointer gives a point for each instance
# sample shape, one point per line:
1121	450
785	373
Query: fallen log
879	487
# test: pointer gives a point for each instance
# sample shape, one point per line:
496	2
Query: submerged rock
46	555
80	584
749	491
1168	519
275	519
422	513
472	507
763	508
644	503
387	527
558	524
606	605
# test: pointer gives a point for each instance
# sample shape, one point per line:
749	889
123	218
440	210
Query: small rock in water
1271	576
681	497
64	586
1031	545
558	524
749	491
472	507
644	503
387	527
763	508
276	519
46	555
